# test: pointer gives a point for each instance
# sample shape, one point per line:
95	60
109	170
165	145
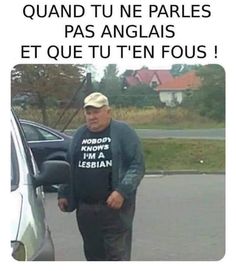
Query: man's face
97	119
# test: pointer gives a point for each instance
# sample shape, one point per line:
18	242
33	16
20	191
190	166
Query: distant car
23	99
30	235
46	143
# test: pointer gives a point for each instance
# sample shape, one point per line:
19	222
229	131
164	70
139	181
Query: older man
107	167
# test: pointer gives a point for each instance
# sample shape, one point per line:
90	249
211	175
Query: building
152	78
171	89
172	92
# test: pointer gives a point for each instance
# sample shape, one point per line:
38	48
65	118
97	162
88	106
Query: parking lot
178	217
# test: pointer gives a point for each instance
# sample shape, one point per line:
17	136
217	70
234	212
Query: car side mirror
53	172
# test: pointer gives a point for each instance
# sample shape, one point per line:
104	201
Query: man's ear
109	110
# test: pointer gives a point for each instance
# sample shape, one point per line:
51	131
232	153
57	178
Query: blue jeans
106	232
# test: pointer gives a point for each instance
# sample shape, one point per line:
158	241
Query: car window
48	136
33	133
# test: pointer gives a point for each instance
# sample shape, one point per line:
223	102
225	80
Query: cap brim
93	105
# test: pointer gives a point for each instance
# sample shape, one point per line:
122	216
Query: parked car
24	99
30	234
46	144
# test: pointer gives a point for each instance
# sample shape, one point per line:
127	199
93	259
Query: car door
29	230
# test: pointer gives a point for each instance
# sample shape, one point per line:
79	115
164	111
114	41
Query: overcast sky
125	66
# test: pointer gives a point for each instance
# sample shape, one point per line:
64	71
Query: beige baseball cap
96	99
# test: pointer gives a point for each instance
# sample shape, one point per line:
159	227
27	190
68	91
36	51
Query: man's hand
63	204
115	200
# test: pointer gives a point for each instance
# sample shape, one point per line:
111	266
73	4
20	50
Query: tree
111	84
179	69
209	99
46	82
140	96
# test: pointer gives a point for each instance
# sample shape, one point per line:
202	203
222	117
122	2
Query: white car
30	234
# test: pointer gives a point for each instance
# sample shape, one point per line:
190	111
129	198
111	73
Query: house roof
146	75
183	82
132	81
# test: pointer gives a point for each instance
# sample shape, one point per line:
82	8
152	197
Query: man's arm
133	157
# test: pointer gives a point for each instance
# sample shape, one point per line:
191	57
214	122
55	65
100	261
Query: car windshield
14	168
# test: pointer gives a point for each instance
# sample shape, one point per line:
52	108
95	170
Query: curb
182	172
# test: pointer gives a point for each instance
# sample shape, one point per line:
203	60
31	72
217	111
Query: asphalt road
217	134
178	217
